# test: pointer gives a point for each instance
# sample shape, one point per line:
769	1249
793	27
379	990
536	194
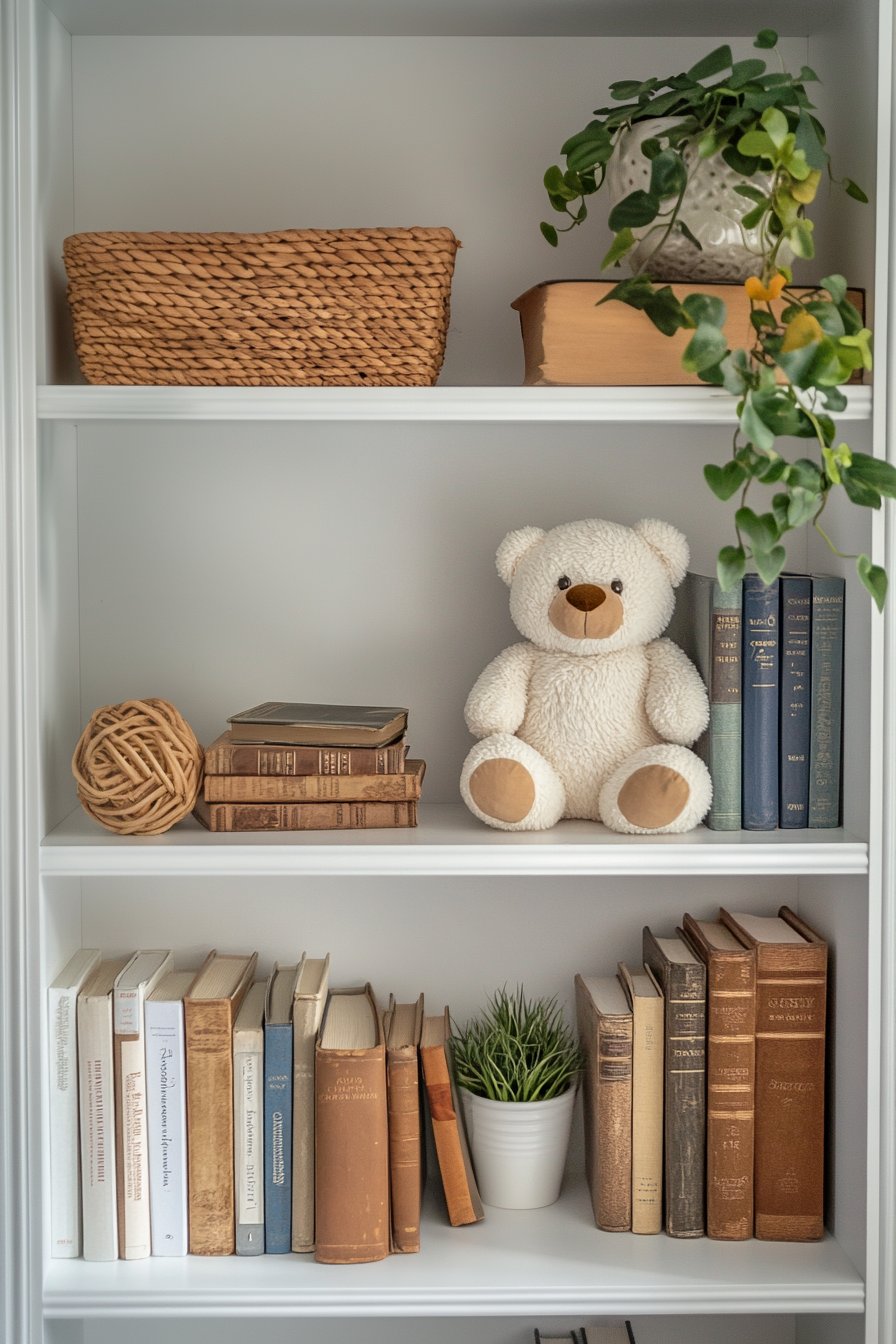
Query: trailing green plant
518	1049
805	345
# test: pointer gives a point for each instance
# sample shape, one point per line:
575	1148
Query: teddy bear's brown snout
585	596
586	611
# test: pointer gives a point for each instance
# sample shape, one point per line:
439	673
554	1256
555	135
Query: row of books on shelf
304	767
772	659
208	1112
704	1082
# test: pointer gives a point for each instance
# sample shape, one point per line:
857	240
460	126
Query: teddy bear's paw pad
503	789
653	796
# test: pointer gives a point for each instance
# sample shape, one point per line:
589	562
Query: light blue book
278	1110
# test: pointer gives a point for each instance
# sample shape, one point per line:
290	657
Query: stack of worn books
300	767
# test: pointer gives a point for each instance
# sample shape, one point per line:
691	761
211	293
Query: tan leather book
226	757
605	1034
449	1135
730	1077
351	1180
569	341
791	1002
316	788
304	816
645	999
210	1008
307	1010
402	1026
319	725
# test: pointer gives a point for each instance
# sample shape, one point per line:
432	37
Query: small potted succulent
711	173
517	1066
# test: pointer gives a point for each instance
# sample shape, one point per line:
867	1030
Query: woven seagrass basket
303	308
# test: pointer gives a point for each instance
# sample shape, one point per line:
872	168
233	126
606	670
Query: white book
166	1113
308	1008
65	1158
248	1121
96	1112
138	979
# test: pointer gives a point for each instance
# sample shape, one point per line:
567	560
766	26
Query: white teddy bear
592	715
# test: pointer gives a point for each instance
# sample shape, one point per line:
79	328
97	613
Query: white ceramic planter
711	208
519	1148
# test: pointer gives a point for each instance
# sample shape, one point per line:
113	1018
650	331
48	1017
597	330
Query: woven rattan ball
138	767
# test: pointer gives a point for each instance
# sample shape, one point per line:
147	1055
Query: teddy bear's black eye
564	582
616	585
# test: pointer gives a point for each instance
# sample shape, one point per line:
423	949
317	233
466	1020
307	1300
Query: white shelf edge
686	405
448	842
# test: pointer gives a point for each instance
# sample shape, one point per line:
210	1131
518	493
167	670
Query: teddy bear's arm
677	704
497	702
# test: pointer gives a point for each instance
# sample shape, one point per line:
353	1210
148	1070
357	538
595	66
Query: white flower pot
711	209
519	1148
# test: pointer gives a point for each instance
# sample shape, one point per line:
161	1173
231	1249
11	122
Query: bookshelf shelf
546	1261
609	405
449	842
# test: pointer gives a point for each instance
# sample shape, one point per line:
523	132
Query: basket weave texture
303	308
138	767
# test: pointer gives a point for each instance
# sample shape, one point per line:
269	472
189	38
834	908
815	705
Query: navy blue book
761	662
826	727
796	689
278	1110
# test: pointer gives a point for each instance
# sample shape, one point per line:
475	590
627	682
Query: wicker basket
305	308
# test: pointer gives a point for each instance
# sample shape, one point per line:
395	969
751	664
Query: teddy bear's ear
669	544
512	549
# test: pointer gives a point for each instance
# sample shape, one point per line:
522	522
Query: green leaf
666	313
834	399
805	474
835	286
780	505
705	308
735	373
854	190
757	145
760	529
765	38
760	318
751	193
859	491
634	211
800	239
724	481
668	175
550	233
707	145
683	229
807	75
713	64
875	472
809	141
743	71
802	505
590	152
769	563
775	123
651	147
772	471
754	427
706	348
621	244
852	318
753	217
731	566
624	88
556	184
874	578
636	292
740	163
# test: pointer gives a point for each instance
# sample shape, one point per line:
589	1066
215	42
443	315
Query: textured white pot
519	1148
711	208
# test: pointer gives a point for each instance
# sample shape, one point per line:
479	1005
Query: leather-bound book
307	1011
682	978
227	757
210	1008
449	1135
730	1077
351	1189
354	788
791	994
402	1027
366	816
646	1001
604	1020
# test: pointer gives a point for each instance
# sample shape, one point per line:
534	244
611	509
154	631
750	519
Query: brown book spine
313	788
607	1101
403	1082
305	816
352	1156
225	757
458	1181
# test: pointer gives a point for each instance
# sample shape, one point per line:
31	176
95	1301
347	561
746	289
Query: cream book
65	1162
307	1011
248	1121
166	1114
96	1096
646	1000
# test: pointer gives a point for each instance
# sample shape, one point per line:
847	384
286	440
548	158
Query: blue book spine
277	1137
826	720
761	659
796	687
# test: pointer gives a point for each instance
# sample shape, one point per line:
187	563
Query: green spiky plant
517	1049
805	346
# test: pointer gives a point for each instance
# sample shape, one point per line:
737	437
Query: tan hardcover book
351	1184
645	999
316	788
791	1001
402	1027
226	757
307	1011
319	725
570	341
248	1120
605	1034
730	1077
210	1008
305	816
96	1109
449	1136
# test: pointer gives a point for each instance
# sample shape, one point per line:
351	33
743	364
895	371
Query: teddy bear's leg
508	784
658	790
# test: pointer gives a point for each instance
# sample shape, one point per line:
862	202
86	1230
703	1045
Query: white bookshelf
218	546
